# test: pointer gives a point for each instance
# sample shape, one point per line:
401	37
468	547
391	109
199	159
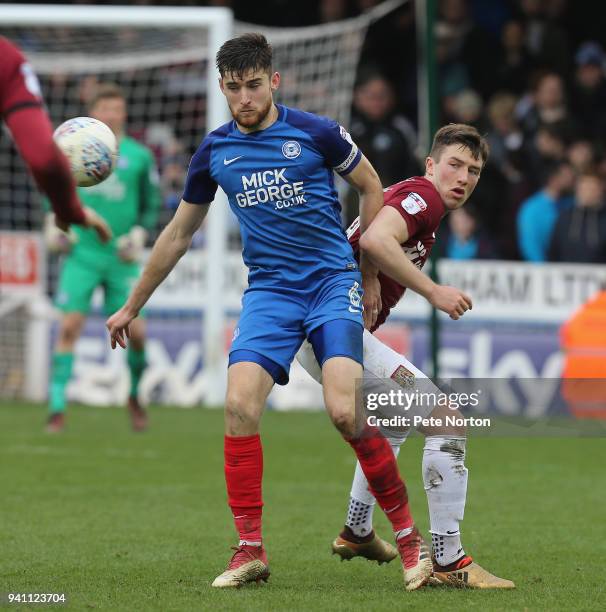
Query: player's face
455	175
250	97
112	111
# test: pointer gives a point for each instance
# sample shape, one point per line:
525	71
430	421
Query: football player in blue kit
276	166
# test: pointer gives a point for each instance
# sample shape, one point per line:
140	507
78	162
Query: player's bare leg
378	463
136	365
248	386
61	369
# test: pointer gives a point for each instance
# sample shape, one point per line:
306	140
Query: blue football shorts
275	321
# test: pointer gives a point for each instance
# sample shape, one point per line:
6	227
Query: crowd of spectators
529	74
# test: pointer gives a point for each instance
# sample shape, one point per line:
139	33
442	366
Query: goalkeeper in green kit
129	201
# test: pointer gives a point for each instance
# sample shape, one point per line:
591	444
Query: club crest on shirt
413	203
291	149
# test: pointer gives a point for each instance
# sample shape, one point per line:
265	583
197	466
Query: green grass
123	521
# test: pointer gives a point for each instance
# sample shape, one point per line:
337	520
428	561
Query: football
91	148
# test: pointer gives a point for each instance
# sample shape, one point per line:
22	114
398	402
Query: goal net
163	60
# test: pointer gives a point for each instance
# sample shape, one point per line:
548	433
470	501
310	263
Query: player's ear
221	84
274	81
429	166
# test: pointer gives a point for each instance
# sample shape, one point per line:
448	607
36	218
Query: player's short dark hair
463	135
250	51
105	91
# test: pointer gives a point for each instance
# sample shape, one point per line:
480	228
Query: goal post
163	59
217	22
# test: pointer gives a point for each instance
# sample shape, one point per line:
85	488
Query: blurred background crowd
529	74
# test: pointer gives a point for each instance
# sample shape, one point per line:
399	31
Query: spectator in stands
582	156
387	138
579	235
588	98
466	240
539	213
505	137
515	64
546	148
470	44
546	40
467	107
549	109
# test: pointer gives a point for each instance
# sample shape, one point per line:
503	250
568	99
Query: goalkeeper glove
130	246
57	241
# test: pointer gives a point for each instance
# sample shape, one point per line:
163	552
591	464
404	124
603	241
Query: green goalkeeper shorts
80	277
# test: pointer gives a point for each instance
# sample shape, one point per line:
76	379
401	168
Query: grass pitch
124	521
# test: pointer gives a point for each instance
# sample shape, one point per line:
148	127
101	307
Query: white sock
445	480
362	501
249	543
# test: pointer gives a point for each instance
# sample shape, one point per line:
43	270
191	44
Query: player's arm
382	242
22	110
367	183
170	246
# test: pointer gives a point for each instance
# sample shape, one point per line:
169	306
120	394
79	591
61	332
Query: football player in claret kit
276	166
22	109
399	240
129	200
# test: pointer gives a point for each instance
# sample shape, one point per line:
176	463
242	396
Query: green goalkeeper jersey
129	196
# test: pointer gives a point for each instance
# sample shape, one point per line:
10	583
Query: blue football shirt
280	185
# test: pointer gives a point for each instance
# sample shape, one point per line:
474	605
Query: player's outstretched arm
382	241
366	181
32	132
170	246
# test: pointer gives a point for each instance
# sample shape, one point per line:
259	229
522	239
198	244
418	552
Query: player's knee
456	425
240	411
344	421
69	332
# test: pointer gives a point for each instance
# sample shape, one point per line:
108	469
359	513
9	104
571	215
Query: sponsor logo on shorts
403	376
355	299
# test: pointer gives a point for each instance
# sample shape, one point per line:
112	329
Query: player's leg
118	279
444	471
265	341
384	369
248	385
445	482
135	358
379	466
334	328
76	285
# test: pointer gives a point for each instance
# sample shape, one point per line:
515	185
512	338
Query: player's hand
130	246
450	300
371	300
57	241
94	221
119	326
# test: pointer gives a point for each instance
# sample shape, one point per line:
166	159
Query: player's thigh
269	331
77	281
118	281
332	298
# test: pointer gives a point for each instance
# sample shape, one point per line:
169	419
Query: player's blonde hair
105	91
